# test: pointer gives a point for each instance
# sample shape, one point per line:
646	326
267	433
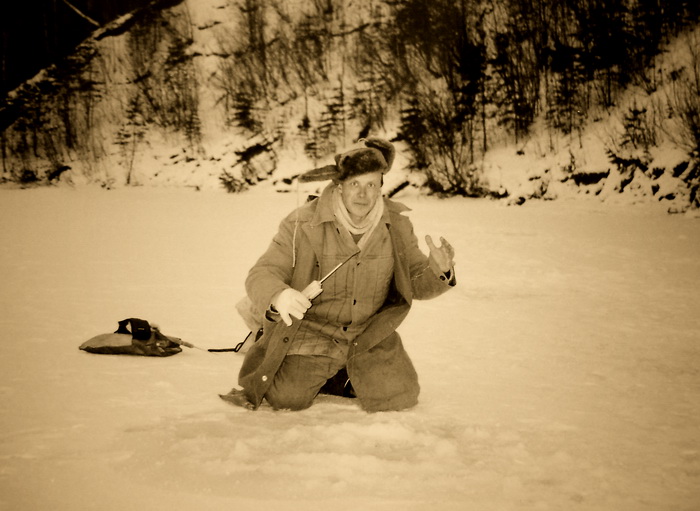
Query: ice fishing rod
314	288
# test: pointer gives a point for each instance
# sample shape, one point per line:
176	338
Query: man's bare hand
442	255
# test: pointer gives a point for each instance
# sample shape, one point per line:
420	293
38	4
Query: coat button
286	339
264	378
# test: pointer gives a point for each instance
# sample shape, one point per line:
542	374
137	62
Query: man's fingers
285	317
306	303
297	311
291	302
446	246
299	305
301	301
297	301
442	255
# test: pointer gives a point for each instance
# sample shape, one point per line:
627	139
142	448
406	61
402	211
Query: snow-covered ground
562	373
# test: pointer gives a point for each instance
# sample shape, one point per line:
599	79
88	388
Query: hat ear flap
383	146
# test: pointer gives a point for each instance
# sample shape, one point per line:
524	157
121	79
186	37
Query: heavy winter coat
378	366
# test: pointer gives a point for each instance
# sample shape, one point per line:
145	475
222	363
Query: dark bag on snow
143	339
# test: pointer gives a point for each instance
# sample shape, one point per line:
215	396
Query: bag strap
140	329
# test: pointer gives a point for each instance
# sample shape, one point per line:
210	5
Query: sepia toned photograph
377	255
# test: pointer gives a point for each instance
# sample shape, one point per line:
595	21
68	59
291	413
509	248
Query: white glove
290	302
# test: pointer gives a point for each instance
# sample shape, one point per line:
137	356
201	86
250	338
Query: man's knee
288	399
378	402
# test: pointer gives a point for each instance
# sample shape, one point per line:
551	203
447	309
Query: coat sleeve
425	283
272	272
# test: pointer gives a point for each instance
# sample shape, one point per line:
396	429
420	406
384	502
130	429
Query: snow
561	373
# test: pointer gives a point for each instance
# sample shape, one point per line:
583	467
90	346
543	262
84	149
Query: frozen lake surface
562	373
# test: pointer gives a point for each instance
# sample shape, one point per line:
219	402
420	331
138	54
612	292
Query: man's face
360	193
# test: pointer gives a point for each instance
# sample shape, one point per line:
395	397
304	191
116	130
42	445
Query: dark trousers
299	380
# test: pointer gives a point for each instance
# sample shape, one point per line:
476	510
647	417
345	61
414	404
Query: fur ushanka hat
376	156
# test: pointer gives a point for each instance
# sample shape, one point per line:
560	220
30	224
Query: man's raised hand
443	256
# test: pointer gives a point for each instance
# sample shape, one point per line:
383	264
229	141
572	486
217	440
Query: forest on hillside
457	77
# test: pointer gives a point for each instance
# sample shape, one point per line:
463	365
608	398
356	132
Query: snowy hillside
171	98
561	373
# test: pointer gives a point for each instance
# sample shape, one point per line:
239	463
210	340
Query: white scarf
367	224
